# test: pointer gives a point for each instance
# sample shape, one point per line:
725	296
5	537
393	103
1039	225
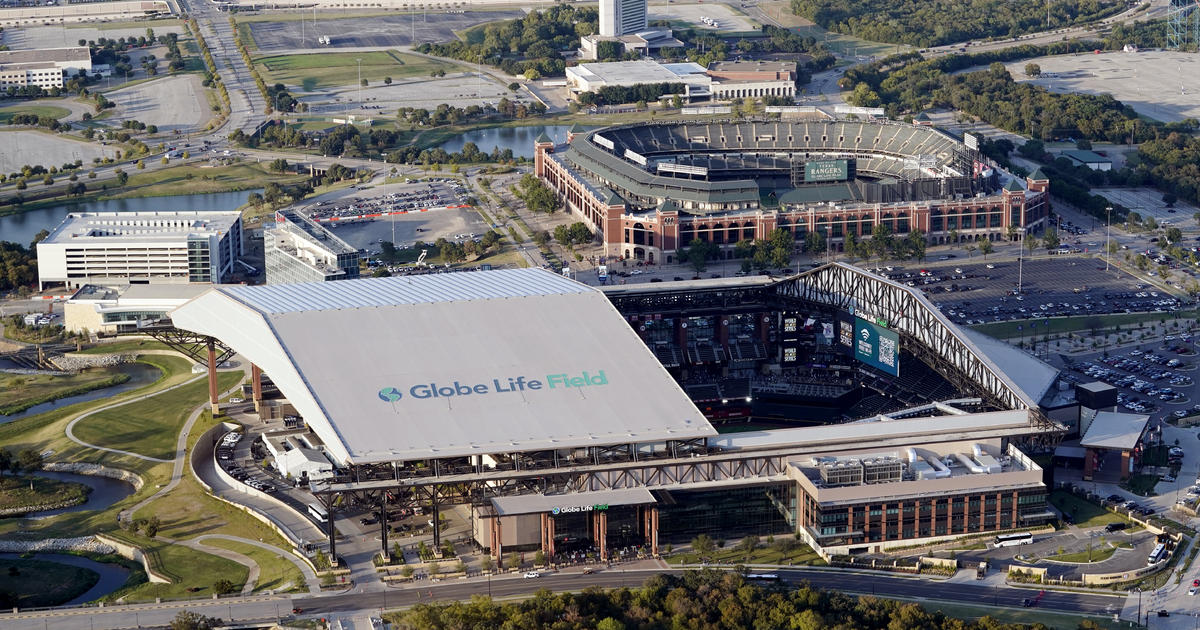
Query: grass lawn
274	572
41	583
6	113
125	346
801	555
326	70
186	180
1085	513
19	392
150	427
192	572
16	492
1052	620
1098	554
1141	485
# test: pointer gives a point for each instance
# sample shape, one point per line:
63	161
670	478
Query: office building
622	17
298	249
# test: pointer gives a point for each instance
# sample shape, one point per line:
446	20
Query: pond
140	374
112	576
519	139
22	227
105	492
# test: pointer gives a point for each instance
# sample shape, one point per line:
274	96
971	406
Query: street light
1107	236
359	60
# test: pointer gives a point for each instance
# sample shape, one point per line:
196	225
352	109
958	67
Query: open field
27	147
150	427
274	571
124	346
193	572
42	583
456	89
186	180
23	492
729	20
173	103
371	32
801	555
1156	84
19	392
6	113
26	38
324	70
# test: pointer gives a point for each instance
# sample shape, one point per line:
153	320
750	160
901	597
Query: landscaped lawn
126	346
187	180
40	583
1099	553
150	427
803	554
6	113
324	70
1085	513
274	571
186	567
20	492
1141	485
19	392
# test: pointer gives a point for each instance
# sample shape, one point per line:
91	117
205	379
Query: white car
532	574
236	400
635	272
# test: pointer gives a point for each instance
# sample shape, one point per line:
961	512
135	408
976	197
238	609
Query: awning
571	503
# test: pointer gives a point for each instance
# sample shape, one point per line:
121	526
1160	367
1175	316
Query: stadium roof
1118	431
521	360
1029	373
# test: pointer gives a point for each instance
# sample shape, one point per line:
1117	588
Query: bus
318	512
1012	540
763	578
1160	552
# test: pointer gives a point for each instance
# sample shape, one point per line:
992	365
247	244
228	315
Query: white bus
765	578
1012	540
1160	552
318	512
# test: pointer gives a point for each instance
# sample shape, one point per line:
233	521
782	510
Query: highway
268	608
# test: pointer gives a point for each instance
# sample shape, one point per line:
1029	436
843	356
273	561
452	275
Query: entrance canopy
1115	431
571	503
450	365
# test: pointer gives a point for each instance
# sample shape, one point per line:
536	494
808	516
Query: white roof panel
452	364
1112	430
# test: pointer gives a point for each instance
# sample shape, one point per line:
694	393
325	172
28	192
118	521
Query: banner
826	171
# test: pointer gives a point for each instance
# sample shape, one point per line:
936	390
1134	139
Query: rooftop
1117	431
1087	157
113	227
448	365
1029	373
569	503
633	72
752	66
45	55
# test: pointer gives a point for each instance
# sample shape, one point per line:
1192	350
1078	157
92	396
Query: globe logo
389	394
556	510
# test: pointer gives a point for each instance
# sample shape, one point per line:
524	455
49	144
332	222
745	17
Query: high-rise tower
622	17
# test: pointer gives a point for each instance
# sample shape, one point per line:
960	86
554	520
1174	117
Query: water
519	139
139	374
105	492
112	576
22	227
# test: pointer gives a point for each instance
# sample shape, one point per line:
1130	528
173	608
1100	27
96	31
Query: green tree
703	546
1033	70
698	254
986	247
609	623
189	620
1173	235
29	460
1050	239
1030	243
881	241
814	242
224	587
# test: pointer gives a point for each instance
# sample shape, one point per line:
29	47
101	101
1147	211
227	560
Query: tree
608	623
363	83
29	460
224	587
703	546
122	177
151	527
1112	247
1033	70
698	253
562	235
381	272
1050	239
1173	235
6	461
539	558
985	247
814	242
387	80
1030	243
189	620
486	563
279	165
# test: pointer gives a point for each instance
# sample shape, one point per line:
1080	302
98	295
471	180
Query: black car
1028	603
1114	527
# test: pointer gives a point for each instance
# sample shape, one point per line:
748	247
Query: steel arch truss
908	312
193	345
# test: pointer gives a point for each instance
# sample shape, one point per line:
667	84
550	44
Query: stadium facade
651	188
544	405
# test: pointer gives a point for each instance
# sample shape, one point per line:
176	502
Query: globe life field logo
390	394
503	385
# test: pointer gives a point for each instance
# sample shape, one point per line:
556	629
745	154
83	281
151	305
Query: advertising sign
826	171
845	331
876	346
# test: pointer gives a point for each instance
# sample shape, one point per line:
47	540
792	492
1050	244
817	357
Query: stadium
565	417
650	189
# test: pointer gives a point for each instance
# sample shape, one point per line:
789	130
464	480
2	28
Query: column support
212	377
256	384
383	523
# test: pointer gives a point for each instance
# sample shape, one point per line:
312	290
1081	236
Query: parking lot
385	31
1152	380
418	223
1148	203
978	292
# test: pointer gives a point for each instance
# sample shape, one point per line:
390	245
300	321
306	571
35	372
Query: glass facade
726	514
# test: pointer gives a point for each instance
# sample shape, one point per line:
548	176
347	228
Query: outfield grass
1085	513
150	427
274	572
326	70
19	392
42	583
6	113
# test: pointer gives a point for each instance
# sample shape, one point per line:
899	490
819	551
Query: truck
981	571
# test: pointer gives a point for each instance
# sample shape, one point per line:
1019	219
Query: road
354	602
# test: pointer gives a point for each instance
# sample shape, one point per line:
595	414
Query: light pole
359	60
1107	236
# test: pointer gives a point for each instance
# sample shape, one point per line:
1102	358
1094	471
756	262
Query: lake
519	139
140	374
22	227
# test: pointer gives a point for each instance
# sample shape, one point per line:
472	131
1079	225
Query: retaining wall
136	554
